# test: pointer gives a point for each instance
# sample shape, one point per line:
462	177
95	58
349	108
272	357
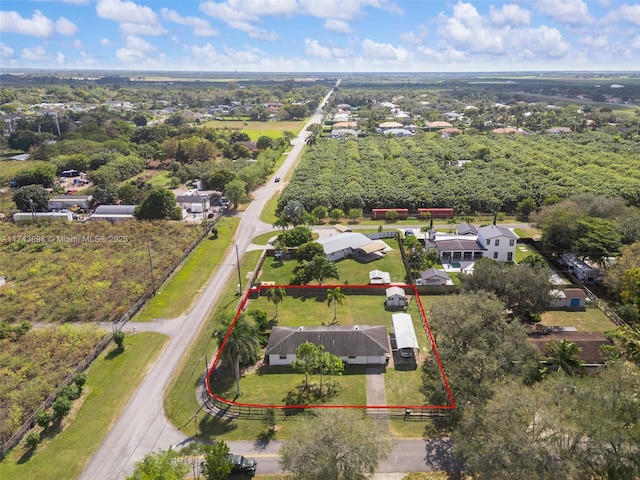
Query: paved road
142	427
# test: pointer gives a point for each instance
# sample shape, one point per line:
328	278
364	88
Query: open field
8	168
173	298
111	380
95	271
256	130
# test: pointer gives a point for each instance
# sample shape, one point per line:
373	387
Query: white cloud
6	51
339	26
316	50
126	12
136	43
140	29
105	42
509	15
37	26
76	2
566	11
201	27
242	15
384	51
635	44
60	58
66	27
626	13
345	9
601	41
415	38
36	53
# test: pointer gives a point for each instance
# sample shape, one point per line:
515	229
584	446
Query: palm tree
564	355
336	297
312	140
275	296
238	345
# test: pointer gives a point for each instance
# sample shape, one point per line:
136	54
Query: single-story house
434	276
344	132
354	344
437	125
589	343
187	202
397	132
389	125
337	247
378	277
61	202
22	218
396	298
569	299
404	332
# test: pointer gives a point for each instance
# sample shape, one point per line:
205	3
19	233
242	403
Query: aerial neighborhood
381	262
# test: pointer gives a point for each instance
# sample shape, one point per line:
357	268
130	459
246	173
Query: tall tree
158	205
276	295
320	268
565	355
336	444
307	356
240	345
336	297
293	211
31	196
236	191
216	464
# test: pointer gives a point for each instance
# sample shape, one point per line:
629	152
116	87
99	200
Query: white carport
404	331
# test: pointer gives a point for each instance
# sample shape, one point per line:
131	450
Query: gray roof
433	272
191	199
404	331
492	231
466	229
341	340
72	198
343	241
116	209
458	244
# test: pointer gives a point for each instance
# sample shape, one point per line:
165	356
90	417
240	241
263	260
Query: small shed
569	299
22	218
378	277
396	298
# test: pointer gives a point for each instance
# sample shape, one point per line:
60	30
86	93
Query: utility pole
239	274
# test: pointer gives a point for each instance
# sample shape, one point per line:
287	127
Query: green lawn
350	271
8	168
111	381
268	214
173	298
256	130
270	384
591	320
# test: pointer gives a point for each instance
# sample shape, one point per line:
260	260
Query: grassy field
591	320
8	168
173	299
256	130
268	214
111	380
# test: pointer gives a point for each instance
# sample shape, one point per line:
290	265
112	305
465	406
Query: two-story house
499	242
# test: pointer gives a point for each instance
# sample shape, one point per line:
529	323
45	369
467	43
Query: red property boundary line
255	291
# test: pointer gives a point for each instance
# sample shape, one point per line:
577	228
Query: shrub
72	392
61	407
33	439
43	419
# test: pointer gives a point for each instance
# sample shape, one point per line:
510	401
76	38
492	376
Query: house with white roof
343	245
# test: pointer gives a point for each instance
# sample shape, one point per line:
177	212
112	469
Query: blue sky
321	35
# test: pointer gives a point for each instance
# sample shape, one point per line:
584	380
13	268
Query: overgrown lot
33	364
83	272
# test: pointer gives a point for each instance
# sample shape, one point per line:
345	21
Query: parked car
241	465
277	179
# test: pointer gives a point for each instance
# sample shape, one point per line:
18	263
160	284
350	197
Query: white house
396	298
378	277
584	272
569	299
188	201
499	242
337	247
354	344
